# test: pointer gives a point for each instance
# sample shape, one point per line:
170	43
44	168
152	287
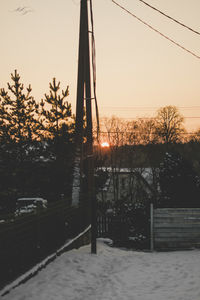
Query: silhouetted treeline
144	156
37	142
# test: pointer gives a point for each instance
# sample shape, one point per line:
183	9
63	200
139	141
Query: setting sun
105	145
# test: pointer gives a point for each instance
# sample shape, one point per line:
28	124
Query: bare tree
115	130
194	137
169	125
141	132
122	136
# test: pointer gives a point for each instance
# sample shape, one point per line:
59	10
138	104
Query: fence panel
26	240
176	228
103	226
114	227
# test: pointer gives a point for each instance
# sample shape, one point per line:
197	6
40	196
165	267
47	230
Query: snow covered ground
115	274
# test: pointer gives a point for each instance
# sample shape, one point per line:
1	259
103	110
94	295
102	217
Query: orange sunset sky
138	71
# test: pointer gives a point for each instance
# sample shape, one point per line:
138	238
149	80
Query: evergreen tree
55	111
18	117
19	130
179	183
58	132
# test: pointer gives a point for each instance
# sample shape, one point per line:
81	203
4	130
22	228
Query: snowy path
115	274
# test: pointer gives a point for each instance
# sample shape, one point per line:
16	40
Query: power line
192	117
143	132
94	65
147	107
169	17
157	31
149	118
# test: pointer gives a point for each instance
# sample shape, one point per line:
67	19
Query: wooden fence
175	228
114	227
26	240
103	226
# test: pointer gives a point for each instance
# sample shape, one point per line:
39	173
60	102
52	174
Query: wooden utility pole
84	93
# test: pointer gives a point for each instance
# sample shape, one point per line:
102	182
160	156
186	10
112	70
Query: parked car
29	205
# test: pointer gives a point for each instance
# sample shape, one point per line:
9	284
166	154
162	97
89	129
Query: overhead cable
94	66
157	31
144	132
149	118
146	107
169	17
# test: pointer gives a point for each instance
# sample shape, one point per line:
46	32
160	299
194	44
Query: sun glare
105	145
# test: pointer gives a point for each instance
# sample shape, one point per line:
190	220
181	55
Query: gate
131	229
103	226
114	227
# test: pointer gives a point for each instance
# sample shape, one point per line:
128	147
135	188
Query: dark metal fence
103	226
26	240
131	230
115	227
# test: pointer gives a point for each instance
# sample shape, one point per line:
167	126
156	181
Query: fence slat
176	227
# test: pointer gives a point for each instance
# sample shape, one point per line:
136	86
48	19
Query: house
131	185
